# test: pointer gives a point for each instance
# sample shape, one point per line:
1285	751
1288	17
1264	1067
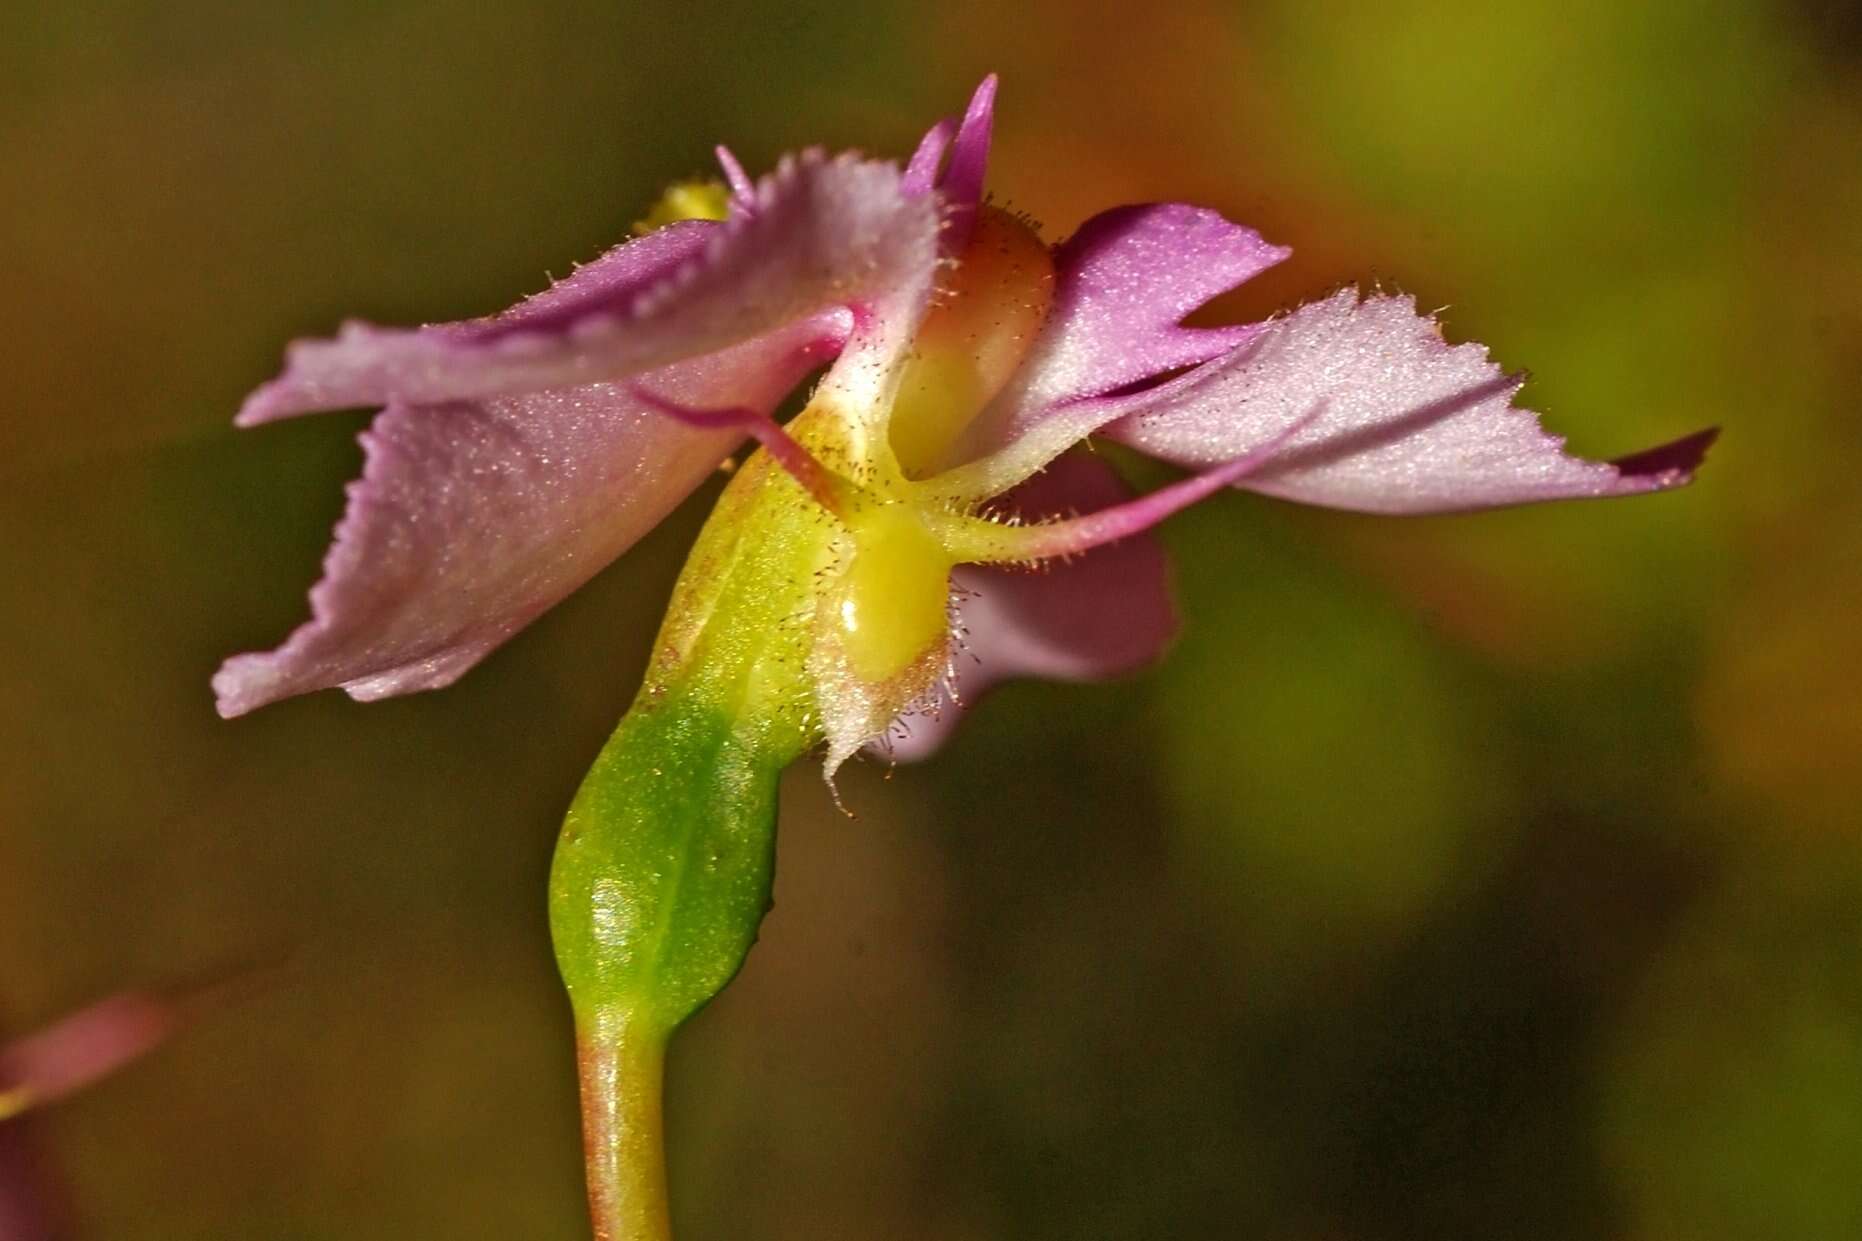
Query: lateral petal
473	517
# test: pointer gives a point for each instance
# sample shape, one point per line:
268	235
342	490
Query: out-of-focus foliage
1485	876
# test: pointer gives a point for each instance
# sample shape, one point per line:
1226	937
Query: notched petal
1408	423
821	233
473	517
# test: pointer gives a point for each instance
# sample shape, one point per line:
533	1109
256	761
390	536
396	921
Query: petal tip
1672	464
235	689
265	403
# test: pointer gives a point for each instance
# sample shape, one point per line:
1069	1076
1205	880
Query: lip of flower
516	456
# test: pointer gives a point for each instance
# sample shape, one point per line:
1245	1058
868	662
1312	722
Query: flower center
986	314
892	604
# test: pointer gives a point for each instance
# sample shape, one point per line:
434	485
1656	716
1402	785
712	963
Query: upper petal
823	233
1123	284
1098	616
962	183
473	517
1405	422
922	169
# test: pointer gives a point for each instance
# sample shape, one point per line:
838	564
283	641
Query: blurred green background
1473	877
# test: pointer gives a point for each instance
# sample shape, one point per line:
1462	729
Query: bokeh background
1476	877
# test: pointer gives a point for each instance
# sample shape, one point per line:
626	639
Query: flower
938	458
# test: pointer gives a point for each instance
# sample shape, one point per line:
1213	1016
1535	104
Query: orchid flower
42	1068
934	498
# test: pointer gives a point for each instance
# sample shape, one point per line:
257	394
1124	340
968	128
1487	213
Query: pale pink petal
1099	616
1408	422
472	518
962	183
823	233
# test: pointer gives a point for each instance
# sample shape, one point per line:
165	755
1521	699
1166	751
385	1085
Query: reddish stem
622	1067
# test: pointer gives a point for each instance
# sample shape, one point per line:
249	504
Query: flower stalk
621	1063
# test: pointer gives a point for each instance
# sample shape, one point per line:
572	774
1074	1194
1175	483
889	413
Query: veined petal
1091	618
823	233
1407	424
474	517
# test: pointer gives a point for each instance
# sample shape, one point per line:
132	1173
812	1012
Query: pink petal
1408	422
1123	284
823	233
1089	619
921	171
962	183
473	517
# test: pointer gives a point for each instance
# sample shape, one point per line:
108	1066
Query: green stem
622	1070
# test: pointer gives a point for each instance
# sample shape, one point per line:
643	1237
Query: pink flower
515	456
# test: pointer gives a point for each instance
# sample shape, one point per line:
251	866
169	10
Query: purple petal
743	190
473	517
921	172
1408	424
1099	616
962	184
823	233
1123	284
